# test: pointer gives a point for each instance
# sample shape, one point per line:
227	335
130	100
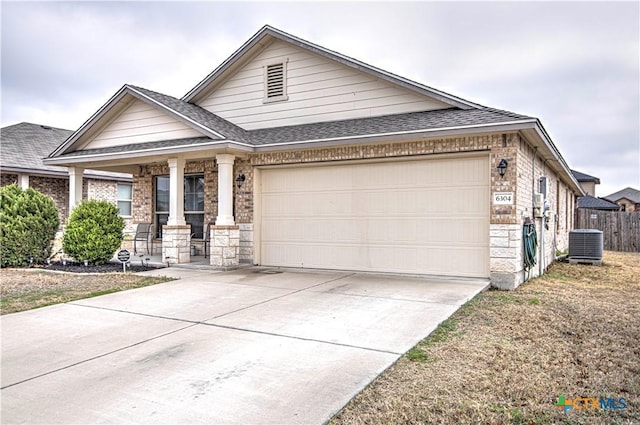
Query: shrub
28	223
93	232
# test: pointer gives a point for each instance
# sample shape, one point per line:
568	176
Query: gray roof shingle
628	192
414	121
596	203
582	177
196	113
25	145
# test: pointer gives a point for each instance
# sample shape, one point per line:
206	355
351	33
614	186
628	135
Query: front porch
191	203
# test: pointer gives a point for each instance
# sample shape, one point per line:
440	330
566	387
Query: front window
124	199
193	203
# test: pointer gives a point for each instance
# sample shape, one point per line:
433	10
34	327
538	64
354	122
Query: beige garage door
427	216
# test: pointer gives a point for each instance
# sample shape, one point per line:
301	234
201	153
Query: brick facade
524	169
58	190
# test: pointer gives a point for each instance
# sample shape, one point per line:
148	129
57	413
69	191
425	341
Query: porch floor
155	260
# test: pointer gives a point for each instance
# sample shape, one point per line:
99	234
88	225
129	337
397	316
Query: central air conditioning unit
586	244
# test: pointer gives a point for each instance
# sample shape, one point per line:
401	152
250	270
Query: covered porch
192	202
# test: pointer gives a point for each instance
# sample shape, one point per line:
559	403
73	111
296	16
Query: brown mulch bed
506	357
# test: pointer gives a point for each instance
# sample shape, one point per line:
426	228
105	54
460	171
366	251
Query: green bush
28	224
93	232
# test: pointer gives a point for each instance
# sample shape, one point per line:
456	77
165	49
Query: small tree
93	232
28	224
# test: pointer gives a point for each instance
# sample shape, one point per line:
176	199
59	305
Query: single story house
300	156
23	148
628	199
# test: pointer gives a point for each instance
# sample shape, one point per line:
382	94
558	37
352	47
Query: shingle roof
414	121
25	145
596	203
629	193
141	146
582	177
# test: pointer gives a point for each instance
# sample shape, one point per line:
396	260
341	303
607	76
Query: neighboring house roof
268	33
25	145
462	117
582	177
629	193
593	203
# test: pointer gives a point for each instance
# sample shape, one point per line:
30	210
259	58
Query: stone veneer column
176	244
506	261
225	246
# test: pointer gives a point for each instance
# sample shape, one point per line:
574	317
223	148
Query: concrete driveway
247	346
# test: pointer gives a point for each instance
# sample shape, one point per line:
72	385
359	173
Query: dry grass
505	357
26	289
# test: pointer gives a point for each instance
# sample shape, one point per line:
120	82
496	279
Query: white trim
397	133
178	114
224	144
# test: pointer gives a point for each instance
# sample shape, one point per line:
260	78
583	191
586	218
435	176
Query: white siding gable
318	89
140	123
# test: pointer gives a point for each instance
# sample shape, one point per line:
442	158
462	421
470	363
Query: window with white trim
275	82
124	199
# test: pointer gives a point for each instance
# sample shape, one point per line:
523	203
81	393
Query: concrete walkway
241	347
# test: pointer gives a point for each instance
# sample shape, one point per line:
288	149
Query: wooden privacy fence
621	230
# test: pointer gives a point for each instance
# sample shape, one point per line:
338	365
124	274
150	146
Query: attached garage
423	215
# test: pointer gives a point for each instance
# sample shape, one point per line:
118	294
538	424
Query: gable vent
275	82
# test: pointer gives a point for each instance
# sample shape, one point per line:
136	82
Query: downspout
533	184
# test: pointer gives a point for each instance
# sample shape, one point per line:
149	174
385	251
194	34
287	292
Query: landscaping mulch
506	357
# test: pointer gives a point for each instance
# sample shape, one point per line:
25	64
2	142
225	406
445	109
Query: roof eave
142	153
120	94
61	174
90	122
395	136
556	156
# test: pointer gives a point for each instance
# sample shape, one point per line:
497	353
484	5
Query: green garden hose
530	240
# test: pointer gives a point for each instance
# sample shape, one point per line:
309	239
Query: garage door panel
435	260
427	216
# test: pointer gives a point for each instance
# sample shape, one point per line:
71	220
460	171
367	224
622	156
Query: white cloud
575	65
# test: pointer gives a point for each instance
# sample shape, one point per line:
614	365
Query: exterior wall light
241	178
502	167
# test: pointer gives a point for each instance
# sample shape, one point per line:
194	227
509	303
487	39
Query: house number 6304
503	198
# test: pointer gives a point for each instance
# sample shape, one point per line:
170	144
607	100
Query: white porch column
225	190
23	181
75	187
176	192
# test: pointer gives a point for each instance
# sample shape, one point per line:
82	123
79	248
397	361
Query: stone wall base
176	244
246	243
225	246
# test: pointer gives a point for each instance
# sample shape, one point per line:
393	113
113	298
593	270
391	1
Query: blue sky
574	65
